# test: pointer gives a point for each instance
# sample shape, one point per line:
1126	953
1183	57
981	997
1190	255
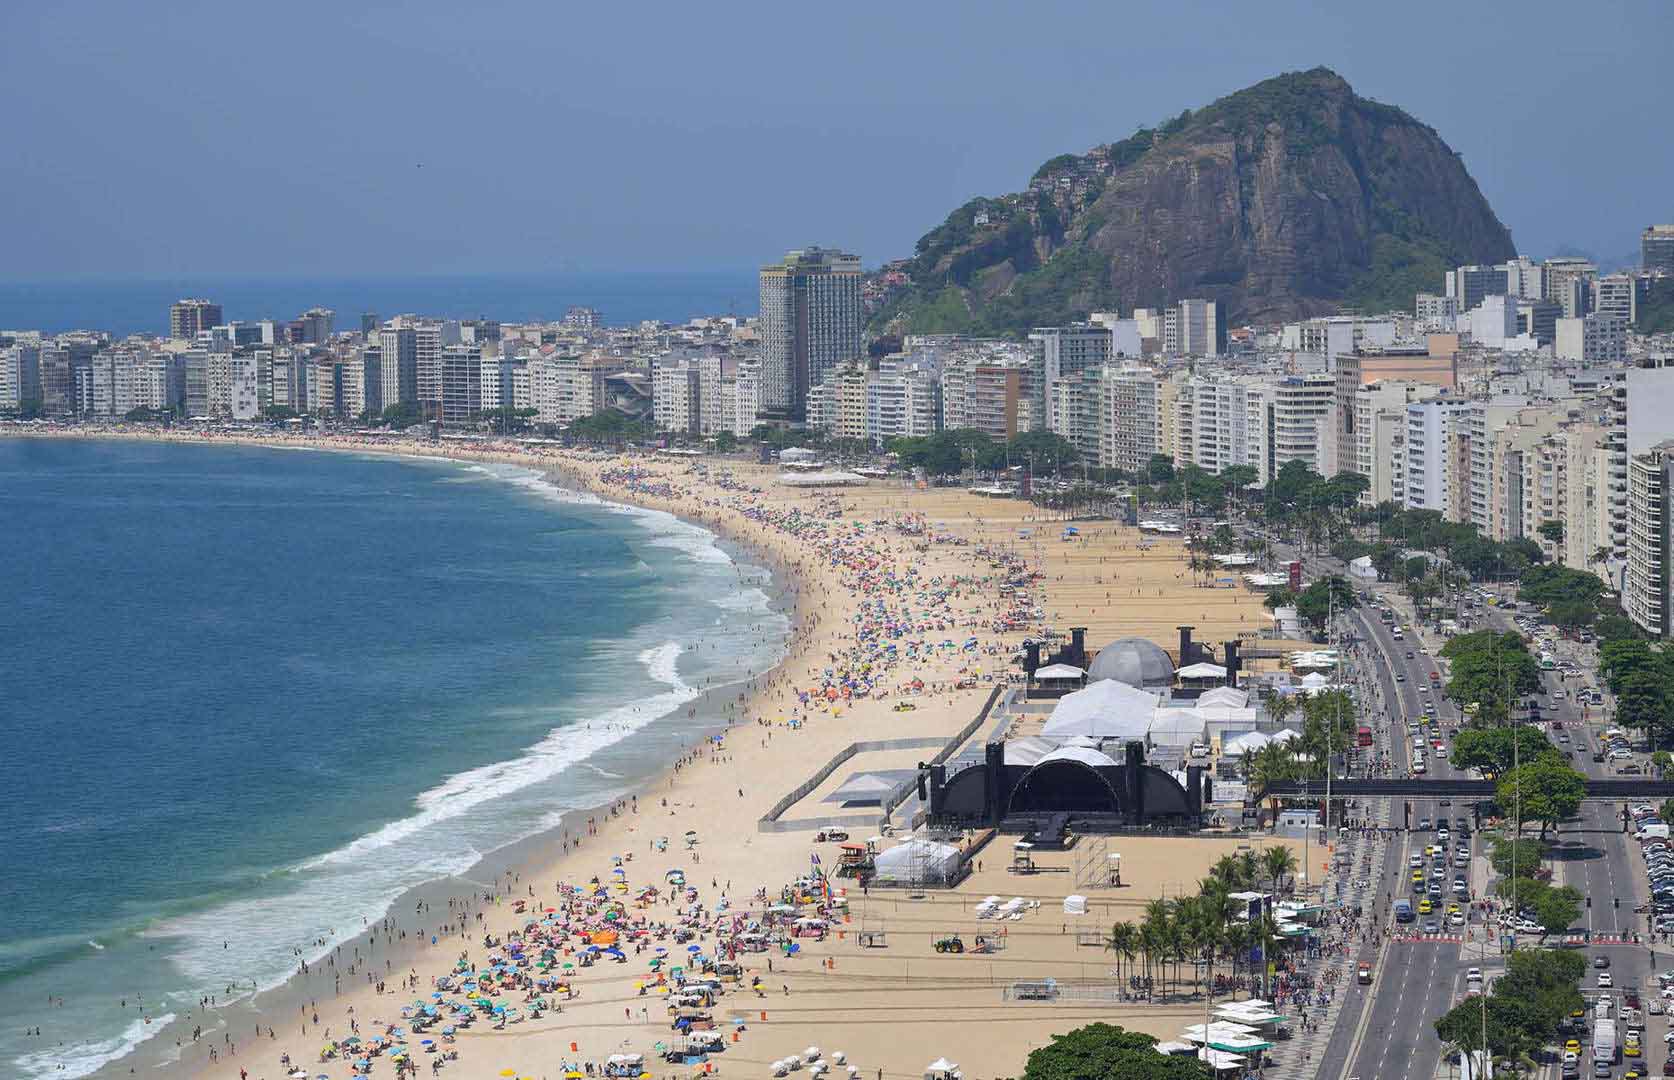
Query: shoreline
517	858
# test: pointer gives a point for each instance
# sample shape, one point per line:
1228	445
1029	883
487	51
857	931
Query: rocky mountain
1292	198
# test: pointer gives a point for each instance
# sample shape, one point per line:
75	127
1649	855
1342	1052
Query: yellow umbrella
508	1072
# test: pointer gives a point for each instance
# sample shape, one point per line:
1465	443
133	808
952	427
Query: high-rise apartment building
1569	281
1193	328
1067	351
1380	420
1305	422
1524	278
191	317
1617	295
810	324
20	377
1221	422
398	365
1431	455
461	384
1468	286
999	396
1656	248
1130	412
1645	583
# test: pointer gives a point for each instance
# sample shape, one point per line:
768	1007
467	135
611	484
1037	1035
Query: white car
1456	919
1604	981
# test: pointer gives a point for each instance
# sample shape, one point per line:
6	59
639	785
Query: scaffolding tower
1090	859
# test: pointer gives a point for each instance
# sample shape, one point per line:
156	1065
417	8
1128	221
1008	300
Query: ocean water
251	696
141	305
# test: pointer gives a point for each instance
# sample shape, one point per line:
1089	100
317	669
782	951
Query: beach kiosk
942	1069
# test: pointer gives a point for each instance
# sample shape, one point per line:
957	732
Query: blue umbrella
694	948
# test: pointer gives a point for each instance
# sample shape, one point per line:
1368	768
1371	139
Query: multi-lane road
1386	1029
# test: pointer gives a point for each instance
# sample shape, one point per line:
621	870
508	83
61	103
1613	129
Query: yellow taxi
1418	877
1573	1046
1425	907
1453	909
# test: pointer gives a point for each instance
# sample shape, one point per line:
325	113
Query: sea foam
85	1058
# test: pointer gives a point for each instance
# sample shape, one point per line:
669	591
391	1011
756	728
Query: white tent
829	478
1086	756
1362	568
1075	904
1202	671
918	862
1286	734
1224	696
1107	709
1315	681
1177	727
1028	750
1058	671
1245	744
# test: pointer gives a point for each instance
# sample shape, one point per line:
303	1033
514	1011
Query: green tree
402	414
1491	669
1572	614
1105	1052
1552	530
1519	860
1545	790
1495	750
1556	908
725	442
1316	601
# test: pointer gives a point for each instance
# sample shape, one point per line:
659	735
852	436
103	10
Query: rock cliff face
1292	198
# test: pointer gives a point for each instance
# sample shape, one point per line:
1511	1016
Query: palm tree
1226	870
1280	706
1215	911
1124	942
1278	862
1154	932
1249	867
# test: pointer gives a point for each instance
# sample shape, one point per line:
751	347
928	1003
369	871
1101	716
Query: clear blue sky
286	138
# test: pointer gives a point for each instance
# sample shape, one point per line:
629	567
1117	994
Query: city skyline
900	135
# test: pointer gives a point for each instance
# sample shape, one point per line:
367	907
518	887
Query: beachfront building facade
993	393
810	324
461	384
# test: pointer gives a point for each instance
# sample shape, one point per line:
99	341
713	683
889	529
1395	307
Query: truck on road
1604	1040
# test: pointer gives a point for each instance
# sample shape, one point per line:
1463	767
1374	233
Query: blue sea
251	696
141	306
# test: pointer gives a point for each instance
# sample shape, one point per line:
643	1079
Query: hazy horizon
211	140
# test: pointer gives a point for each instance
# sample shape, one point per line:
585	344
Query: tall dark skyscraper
810	325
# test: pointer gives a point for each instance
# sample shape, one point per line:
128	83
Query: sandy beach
852	561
